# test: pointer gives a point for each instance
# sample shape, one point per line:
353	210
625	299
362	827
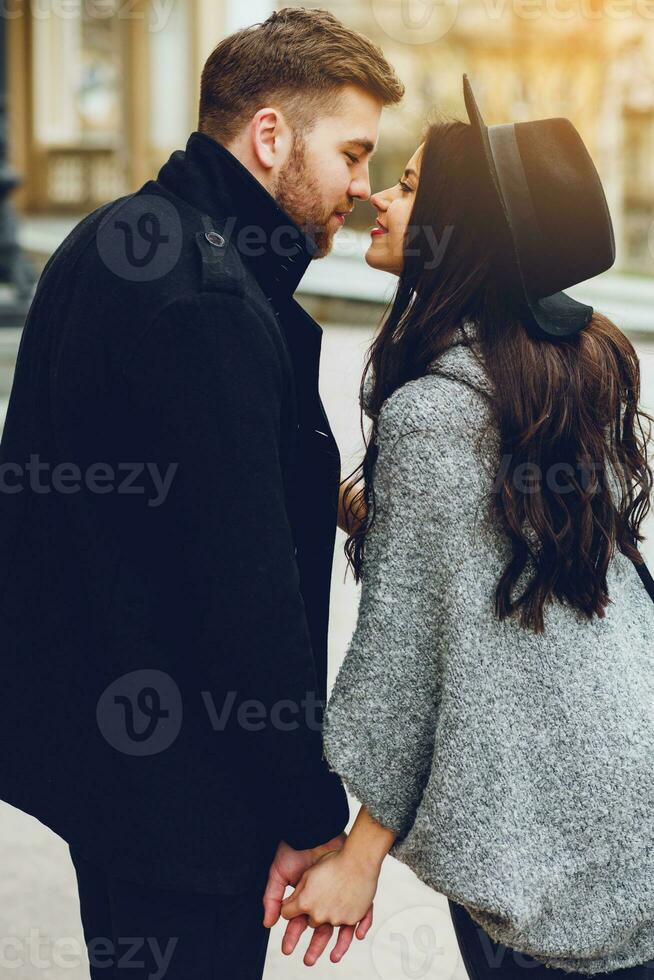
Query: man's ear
269	138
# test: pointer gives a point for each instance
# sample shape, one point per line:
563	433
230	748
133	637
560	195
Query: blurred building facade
103	90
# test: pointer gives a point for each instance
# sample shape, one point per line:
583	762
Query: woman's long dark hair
572	403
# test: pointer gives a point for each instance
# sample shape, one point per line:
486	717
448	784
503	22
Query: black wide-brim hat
555	209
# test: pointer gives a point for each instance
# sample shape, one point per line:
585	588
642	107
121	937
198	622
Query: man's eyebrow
365	144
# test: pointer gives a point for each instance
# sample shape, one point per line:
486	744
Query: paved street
412	936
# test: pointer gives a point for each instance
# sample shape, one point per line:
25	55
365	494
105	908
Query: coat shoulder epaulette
222	268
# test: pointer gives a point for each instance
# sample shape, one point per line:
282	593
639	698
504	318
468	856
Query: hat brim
553	316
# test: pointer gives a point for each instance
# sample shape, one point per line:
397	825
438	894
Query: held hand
287	868
321	937
336	891
348	880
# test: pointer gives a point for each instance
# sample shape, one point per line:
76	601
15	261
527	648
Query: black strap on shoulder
222	267
646	577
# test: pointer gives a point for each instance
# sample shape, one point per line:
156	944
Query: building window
78	100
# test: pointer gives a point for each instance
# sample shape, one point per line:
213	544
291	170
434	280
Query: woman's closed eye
406	189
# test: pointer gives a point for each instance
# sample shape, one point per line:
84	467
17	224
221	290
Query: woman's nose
377	201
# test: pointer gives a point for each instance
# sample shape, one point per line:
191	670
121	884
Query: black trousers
483	958
134	932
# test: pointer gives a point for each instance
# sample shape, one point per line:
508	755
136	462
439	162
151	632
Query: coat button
214	238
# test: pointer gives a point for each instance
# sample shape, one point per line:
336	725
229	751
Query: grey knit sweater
516	768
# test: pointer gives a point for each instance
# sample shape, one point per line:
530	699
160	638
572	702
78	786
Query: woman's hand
337	890
287	868
347	520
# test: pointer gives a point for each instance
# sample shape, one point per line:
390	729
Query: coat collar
461	361
210	178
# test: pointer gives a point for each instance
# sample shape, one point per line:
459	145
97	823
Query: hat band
518	202
557	315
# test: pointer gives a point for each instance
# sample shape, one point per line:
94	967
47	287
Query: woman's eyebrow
410	173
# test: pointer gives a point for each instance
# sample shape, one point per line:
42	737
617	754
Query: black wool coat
167	525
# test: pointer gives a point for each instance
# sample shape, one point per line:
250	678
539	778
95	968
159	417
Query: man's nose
360	188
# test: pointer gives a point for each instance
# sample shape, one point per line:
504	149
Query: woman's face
394	206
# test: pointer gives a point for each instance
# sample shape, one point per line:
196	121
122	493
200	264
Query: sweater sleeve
380	721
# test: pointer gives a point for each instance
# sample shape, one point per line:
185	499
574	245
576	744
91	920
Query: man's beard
298	192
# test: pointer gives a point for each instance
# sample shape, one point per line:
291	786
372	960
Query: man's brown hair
298	58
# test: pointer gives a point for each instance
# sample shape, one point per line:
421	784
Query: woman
494	713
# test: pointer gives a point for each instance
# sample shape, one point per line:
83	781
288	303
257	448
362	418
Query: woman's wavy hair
572	404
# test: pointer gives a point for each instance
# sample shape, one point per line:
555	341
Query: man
167	523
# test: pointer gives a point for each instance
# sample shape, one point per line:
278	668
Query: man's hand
288	868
